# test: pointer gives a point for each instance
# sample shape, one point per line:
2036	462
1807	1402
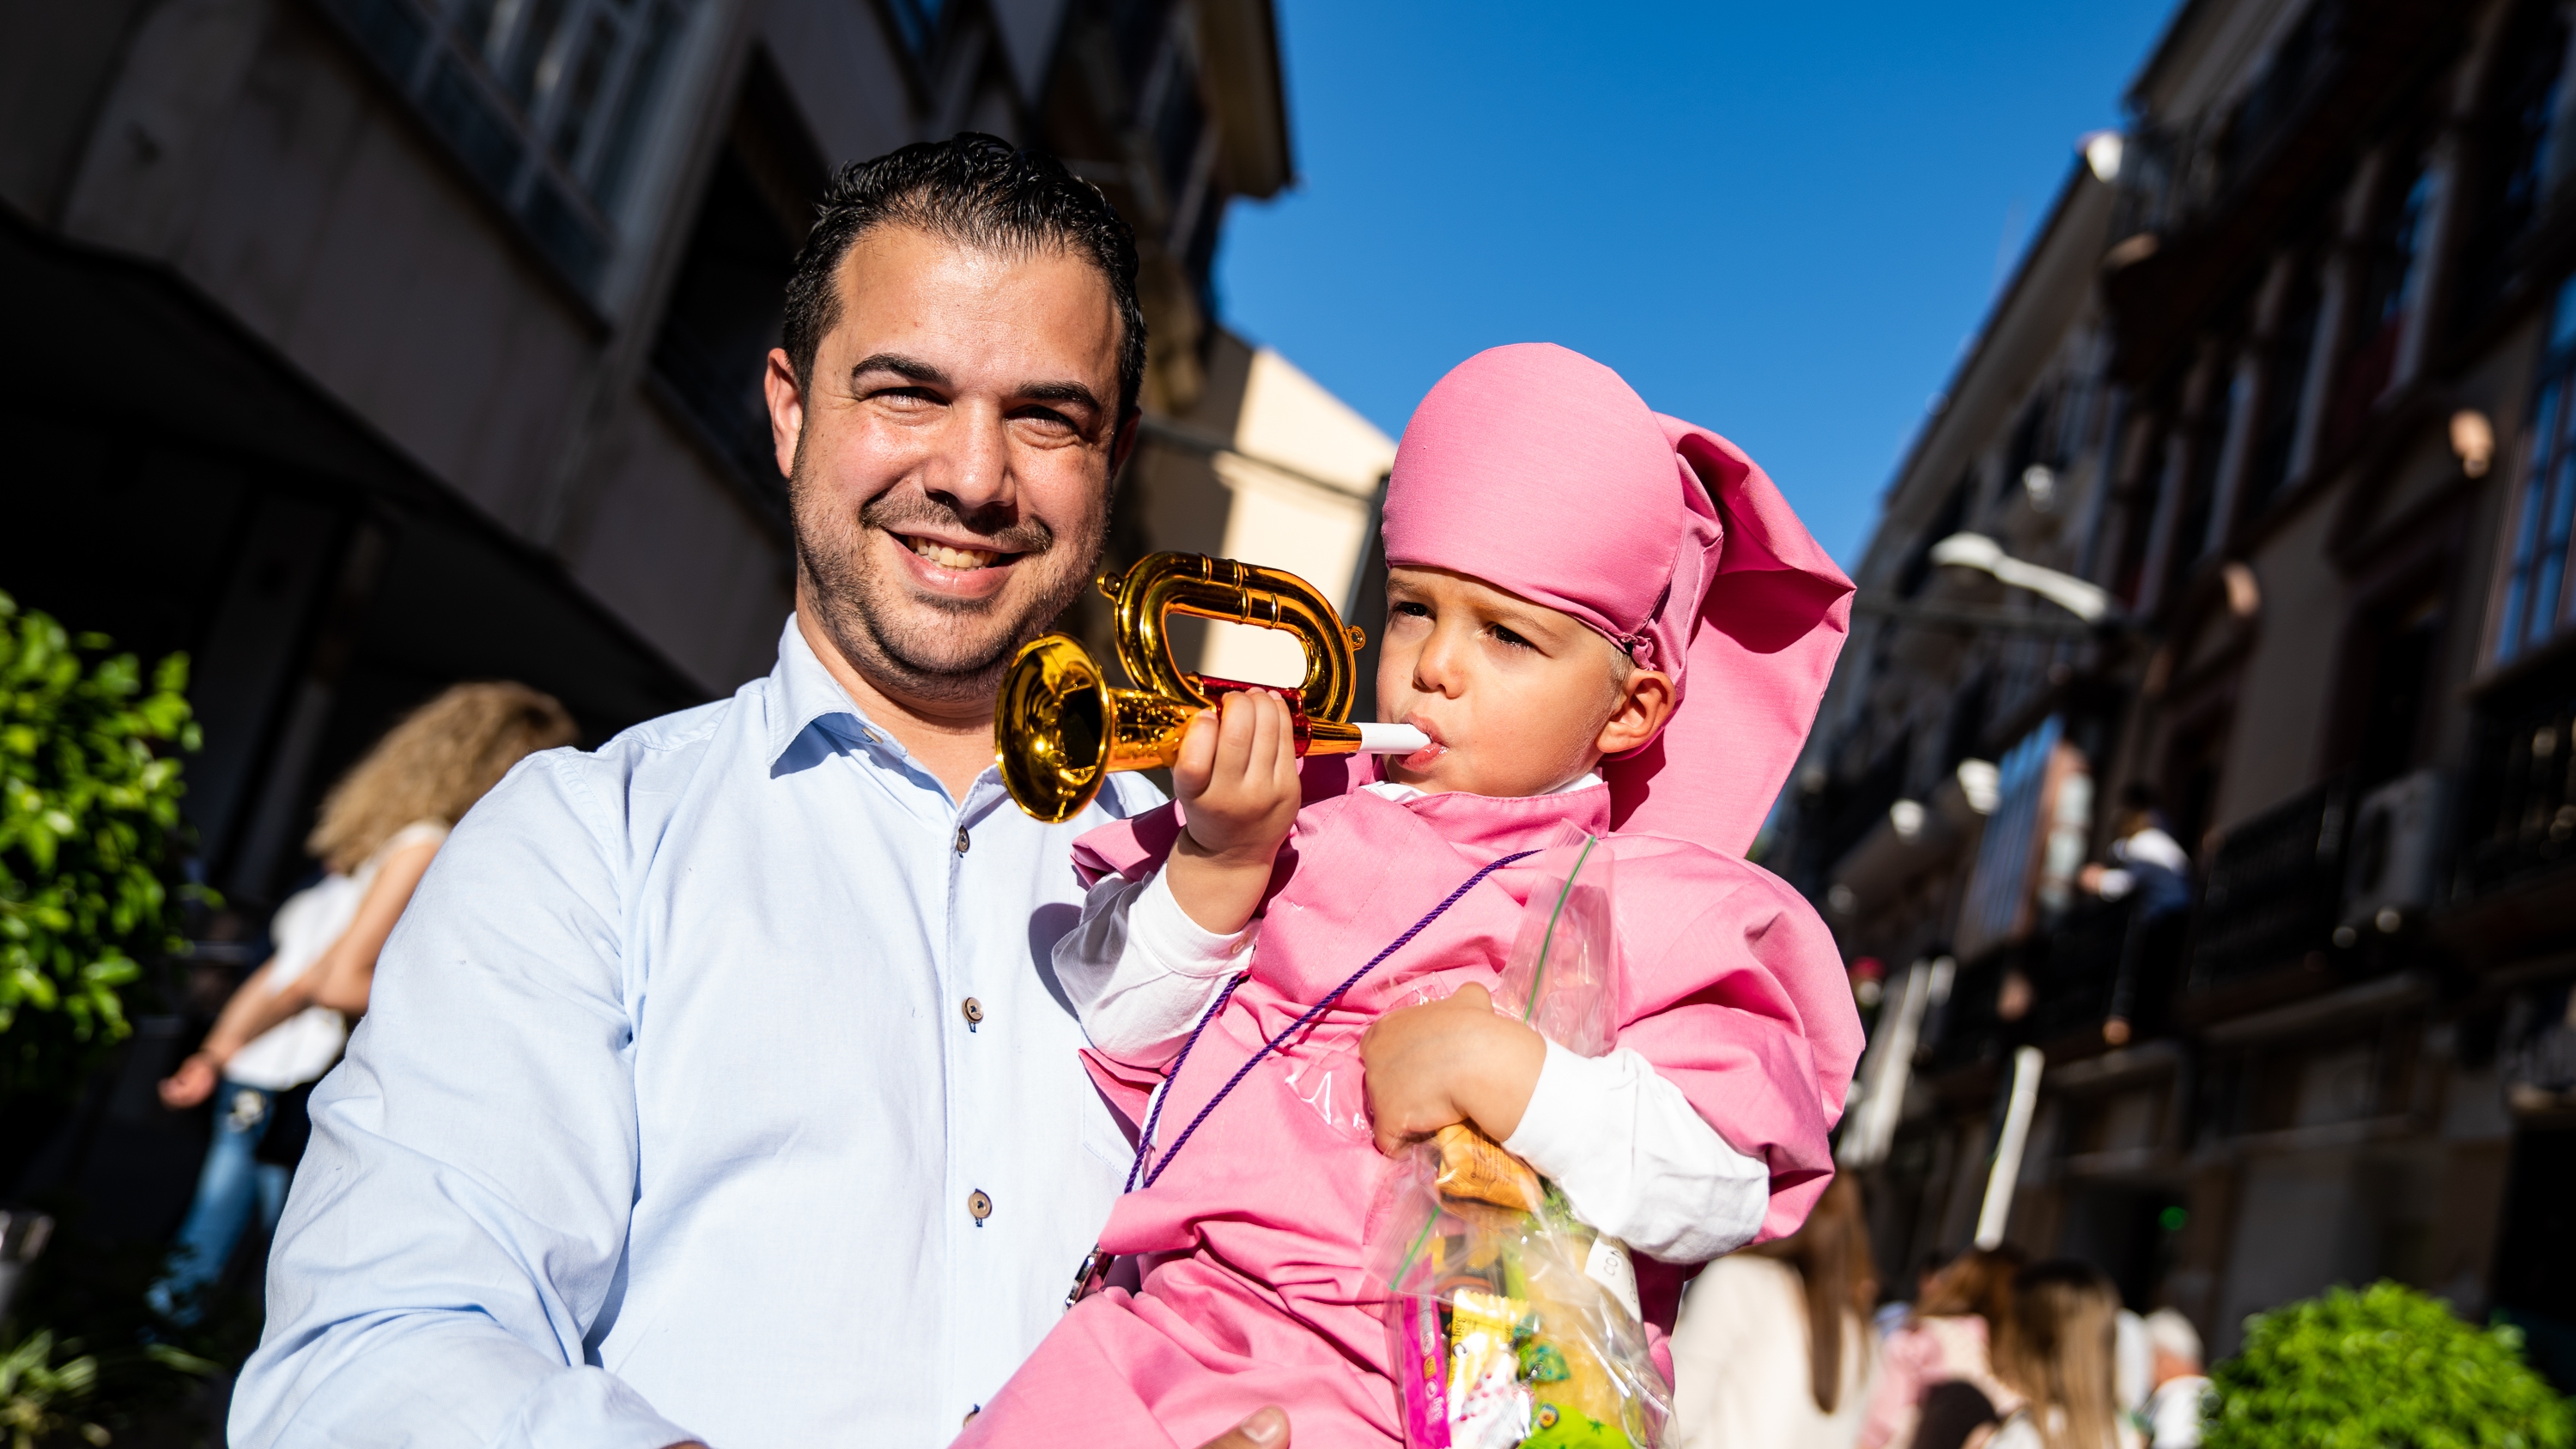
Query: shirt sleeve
1637	1161
457	1228
1139	971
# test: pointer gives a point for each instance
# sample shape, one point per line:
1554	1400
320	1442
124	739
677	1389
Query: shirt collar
806	694
1400	792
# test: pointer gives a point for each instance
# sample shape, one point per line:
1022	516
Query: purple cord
1145	1140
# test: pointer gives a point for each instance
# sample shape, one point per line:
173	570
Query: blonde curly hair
434	766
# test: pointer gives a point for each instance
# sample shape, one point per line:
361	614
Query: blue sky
1781	222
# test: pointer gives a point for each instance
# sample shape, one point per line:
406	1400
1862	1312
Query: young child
1602	618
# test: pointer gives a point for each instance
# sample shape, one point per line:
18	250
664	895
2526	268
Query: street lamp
2088	602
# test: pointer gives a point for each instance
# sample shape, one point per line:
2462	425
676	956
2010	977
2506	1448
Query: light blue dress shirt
668	1119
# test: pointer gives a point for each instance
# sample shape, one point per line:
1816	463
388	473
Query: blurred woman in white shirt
1773	1347
285	1024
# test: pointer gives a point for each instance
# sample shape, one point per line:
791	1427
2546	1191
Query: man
716	1086
2174	1409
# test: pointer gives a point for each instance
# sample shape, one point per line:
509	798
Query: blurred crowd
1786	1344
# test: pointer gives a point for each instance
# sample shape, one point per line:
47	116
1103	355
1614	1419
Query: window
2281	92
543	101
2033	843
2534	603
2285	386
2390	281
728	301
2200	468
2511	161
1953	512
917	21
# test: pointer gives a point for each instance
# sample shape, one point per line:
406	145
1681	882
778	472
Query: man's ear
1131	426
786	409
1645	702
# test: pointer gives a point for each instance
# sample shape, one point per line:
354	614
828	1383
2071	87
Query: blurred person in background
2150	867
2174	1406
284	1026
2145	859
2056	1351
1936	1377
1773	1346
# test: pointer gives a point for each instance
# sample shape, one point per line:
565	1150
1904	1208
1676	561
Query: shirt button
974	1010
978	1206
963	840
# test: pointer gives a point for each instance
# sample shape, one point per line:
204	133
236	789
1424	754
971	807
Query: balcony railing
2274	887
2520	816
2077	981
2097	964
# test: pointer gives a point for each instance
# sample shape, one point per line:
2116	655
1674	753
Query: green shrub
40	1398
89	813
2385	1368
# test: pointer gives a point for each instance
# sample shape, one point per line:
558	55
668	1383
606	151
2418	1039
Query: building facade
358	346
2281	387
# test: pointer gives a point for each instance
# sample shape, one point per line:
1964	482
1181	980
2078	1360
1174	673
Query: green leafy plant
38	1396
2385	1368
89	812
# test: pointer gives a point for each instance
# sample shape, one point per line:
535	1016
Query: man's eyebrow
1071	393
901	366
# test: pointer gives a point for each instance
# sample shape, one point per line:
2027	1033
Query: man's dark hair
979	191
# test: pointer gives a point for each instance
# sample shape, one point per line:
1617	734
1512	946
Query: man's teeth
952	558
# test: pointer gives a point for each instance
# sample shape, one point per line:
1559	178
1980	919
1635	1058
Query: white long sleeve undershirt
1631	1154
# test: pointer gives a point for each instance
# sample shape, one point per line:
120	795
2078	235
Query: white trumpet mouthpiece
1392	739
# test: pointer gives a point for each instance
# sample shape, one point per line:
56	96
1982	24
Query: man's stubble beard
944	651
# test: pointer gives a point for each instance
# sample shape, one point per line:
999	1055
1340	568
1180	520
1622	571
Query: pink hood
1541	472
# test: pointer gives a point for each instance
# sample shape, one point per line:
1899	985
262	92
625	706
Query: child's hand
1451	1060
1237	778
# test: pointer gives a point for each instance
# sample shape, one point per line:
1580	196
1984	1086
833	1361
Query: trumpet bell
1060	727
1053	719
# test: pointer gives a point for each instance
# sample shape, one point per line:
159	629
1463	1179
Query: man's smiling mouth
962	560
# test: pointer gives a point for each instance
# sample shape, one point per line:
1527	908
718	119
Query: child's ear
1645	701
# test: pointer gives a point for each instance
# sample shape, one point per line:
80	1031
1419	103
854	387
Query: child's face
1517	698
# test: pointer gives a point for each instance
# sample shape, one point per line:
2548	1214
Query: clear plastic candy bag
1562	976
1510	1322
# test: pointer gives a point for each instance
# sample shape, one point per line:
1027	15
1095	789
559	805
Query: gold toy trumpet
1060	727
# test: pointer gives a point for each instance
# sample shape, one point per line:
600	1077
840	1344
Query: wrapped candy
1512	1322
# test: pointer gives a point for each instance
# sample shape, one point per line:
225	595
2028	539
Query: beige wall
1313	522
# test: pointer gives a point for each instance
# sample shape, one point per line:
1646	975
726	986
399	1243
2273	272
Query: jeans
230	1183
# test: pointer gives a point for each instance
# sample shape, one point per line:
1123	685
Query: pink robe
1254	1294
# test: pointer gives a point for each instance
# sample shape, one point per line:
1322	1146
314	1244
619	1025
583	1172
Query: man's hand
1266	1429
1237	779
192	1083
1451	1060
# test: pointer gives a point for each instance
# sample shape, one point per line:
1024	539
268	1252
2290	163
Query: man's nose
973	471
